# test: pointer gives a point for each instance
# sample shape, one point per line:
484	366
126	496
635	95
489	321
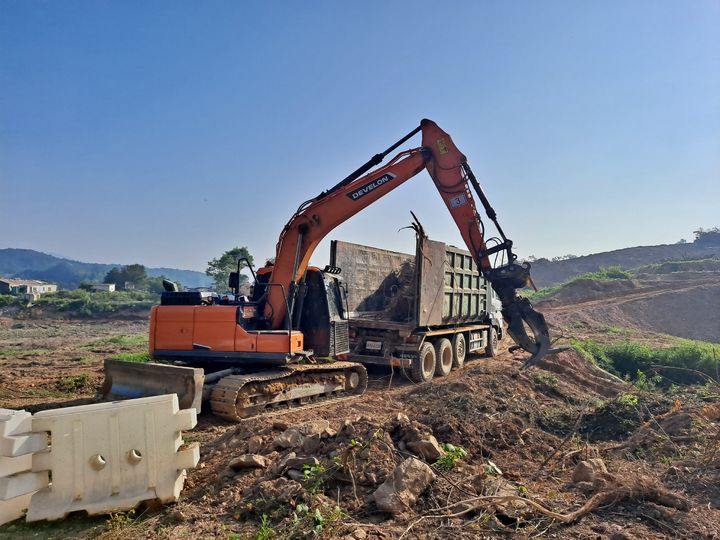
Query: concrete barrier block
14	465
16	438
13	509
111	456
22	484
17	482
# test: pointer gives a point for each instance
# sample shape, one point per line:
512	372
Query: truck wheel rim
428	366
447	358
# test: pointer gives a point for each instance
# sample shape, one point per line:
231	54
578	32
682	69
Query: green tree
219	269
132	273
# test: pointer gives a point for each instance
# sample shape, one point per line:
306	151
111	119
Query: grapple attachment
518	312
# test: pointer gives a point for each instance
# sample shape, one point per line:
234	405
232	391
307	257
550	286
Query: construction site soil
684	304
562	450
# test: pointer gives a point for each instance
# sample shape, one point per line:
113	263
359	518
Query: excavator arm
455	182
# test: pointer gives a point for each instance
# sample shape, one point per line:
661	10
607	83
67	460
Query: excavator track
292	387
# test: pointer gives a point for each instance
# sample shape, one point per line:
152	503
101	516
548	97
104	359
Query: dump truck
422	313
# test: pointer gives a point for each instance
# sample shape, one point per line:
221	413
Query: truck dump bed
437	286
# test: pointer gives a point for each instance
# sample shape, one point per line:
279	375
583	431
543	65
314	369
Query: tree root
613	491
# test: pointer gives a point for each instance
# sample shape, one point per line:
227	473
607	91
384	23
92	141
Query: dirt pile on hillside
684	304
547	273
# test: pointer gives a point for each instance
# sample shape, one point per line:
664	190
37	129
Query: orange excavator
249	355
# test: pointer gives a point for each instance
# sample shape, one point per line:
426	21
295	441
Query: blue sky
166	132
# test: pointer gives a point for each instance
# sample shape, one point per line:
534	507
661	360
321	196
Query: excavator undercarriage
238	393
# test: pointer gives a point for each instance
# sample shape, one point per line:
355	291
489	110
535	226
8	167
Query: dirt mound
686	304
547	273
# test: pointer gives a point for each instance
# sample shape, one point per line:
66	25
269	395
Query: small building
29	288
103	287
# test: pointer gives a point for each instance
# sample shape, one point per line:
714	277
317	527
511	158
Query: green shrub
73	383
634	361
133	357
88	304
711	264
604	274
452	455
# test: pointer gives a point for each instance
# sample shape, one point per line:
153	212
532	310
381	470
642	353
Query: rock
311	444
589	471
359	534
294	474
347	429
402	419
255	444
428	448
314	427
178	516
279	425
279	466
300	462
401	489
248	461
271	494
290	438
497	486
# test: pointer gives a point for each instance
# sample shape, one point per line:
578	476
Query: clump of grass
604	274
12	353
452	455
133	357
89	304
711	264
634	361
73	383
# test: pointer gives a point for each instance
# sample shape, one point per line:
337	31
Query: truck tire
459	348
443	357
423	369
492	343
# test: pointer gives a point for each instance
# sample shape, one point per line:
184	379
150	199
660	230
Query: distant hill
28	263
546	273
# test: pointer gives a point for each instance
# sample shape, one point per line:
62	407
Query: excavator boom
455	183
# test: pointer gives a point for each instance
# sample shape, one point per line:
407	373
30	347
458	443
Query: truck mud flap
130	380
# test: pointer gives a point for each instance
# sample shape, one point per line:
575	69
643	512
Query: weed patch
634	361
72	384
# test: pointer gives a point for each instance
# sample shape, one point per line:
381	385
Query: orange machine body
214	328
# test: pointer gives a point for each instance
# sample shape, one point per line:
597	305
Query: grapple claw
519	313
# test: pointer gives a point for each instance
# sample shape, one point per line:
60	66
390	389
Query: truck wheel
459	350
423	369
444	357
492	343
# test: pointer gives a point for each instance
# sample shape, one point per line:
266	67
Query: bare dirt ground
524	433
685	304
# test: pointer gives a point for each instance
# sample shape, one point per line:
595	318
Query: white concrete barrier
17	481
111	456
